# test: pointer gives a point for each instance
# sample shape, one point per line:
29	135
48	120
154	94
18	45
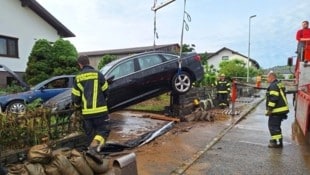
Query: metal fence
19	132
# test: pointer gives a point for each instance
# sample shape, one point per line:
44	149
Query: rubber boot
97	143
93	154
280	143
274	144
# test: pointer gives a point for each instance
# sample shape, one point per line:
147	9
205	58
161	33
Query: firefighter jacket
276	102
89	92
222	87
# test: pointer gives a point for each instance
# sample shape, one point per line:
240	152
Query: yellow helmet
222	75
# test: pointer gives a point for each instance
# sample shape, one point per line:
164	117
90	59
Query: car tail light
197	58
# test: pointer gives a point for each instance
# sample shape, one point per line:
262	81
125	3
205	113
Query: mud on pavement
169	151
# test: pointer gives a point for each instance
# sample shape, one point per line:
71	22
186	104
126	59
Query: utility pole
249	48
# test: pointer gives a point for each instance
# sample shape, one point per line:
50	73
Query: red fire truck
302	95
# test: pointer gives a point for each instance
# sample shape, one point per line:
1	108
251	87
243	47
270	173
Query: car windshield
104	69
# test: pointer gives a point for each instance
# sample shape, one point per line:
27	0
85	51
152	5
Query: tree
105	60
64	58
236	68
50	59
188	48
209	72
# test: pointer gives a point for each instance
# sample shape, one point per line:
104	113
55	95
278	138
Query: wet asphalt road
243	150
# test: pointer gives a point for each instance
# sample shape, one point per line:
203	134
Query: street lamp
247	75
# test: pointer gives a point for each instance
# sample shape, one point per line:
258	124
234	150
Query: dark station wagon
139	77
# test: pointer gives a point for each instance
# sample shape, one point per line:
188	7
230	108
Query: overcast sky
116	24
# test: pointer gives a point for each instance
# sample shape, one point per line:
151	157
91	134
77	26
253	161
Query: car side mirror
290	61
110	79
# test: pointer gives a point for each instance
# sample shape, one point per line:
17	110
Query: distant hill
280	70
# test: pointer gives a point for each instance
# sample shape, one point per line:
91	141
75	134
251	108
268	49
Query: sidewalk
243	150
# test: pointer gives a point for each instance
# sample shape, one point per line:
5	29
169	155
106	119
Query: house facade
226	54
22	23
96	56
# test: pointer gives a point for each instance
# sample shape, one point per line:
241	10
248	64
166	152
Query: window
8	46
170	57
149	61
58	83
224	58
123	69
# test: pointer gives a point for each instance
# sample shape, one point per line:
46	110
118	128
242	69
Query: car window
58	83
170	57
149	61
123	69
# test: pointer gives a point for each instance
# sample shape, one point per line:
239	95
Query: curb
184	166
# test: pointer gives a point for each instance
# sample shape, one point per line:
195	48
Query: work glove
268	113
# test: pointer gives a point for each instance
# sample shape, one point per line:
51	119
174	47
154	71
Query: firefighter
222	90
89	94
276	109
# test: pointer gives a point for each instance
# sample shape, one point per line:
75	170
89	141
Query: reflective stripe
87	76
281	109
76	92
222	92
95	93
283	97
271	104
83	96
275	93
100	139
105	86
276	137
95	110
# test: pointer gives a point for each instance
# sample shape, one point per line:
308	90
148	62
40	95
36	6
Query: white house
225	54
22	23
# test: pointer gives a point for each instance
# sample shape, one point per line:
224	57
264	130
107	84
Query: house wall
24	24
217	59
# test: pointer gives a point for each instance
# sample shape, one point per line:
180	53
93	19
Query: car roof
136	55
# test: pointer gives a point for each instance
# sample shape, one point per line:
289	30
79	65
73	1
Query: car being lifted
139	77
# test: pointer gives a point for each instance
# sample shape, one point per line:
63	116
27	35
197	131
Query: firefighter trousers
222	99
96	126
274	125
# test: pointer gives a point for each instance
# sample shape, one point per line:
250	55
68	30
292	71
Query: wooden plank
160	117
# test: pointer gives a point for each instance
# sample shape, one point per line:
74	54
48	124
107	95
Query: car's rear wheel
16	107
181	83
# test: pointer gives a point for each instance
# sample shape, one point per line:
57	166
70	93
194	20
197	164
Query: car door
123	87
152	68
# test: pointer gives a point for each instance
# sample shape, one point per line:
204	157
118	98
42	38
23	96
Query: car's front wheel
181	83
16	107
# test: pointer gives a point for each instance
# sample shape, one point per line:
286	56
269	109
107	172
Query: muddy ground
169	151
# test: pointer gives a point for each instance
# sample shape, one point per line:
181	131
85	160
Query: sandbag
78	161
97	168
51	169
60	165
62	151
40	154
17	169
35	169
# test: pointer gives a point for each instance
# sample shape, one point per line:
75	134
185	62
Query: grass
156	104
